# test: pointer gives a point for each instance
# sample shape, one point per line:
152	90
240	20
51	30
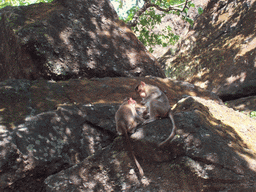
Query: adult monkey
157	105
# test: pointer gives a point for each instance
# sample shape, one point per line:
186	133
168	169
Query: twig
147	4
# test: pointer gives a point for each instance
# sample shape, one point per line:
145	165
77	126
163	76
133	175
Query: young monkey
126	121
157	104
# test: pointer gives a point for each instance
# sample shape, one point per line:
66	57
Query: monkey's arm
153	95
137	117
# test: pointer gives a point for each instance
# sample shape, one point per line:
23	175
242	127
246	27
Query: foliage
5	3
143	20
253	114
200	10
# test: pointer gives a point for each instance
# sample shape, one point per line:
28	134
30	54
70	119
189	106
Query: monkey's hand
153	95
143	102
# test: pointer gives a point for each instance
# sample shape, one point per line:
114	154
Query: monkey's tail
135	159
173	130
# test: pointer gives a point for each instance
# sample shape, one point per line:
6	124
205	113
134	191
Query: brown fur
157	104
126	121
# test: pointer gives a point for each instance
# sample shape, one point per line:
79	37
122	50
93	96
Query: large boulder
63	138
48	126
218	53
49	142
23	98
70	39
213	151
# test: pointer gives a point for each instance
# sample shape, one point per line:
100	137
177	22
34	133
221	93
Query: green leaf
253	114
165	44
168	28
186	10
190	4
200	10
191	21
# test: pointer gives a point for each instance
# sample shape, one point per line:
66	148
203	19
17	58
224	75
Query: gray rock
70	39
213	155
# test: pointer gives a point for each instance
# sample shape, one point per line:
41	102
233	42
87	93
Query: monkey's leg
131	127
152	113
120	128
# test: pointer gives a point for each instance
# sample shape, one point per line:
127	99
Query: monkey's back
159	95
124	117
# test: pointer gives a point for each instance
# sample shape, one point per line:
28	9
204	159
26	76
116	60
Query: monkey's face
132	102
141	91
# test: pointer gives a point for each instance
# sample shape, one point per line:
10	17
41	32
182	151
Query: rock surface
218	54
246	105
75	147
24	98
70	39
60	136
209	153
49	142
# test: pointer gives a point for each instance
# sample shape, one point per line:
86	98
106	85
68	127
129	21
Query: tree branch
148	4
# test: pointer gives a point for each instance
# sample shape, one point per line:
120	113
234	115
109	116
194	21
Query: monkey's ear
142	83
129	102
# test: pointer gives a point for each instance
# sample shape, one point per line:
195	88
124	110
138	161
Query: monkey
157	104
127	120
142	111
